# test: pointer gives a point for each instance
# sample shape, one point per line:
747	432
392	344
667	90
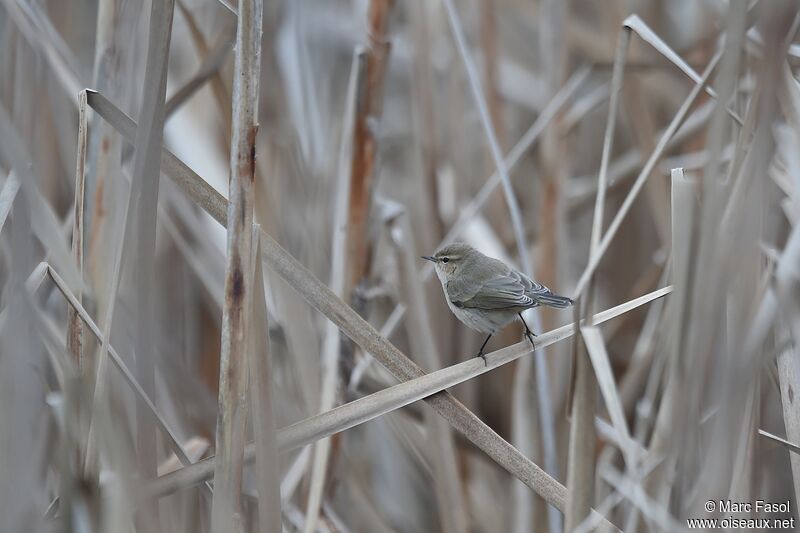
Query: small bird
486	294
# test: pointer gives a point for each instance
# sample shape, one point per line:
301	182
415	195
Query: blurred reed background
643	154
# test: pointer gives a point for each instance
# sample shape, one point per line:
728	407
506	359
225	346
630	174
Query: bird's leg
528	332
480	352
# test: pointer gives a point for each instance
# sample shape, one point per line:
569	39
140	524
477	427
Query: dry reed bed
171	360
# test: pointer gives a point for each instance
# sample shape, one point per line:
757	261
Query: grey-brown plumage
485	293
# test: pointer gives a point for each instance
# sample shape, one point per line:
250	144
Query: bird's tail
553	300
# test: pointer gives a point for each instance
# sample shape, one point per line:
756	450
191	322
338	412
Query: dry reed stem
684	198
108	70
365	145
397	396
140	227
294	474
580	458
641	120
794	448
263	403
226	510
581	455
789	379
635	23
523	436
74	328
637	379
227	4
332	342
146	168
74	341
7	196
69	494
598	355
488	40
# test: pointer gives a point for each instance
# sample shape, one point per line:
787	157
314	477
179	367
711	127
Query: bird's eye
445	259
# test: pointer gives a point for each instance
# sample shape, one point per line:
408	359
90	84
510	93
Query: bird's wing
502	290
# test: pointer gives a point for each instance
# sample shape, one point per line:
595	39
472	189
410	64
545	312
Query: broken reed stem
635	23
74	326
226	510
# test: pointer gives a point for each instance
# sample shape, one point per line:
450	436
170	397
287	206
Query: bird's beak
429	258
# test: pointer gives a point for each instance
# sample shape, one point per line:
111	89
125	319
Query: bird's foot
530	335
528	332
480	352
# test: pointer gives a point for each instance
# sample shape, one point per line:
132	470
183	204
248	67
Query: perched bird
486	294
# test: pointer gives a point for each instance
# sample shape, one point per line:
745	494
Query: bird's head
451	259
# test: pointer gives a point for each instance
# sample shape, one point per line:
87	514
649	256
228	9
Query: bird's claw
528	332
483	356
530	335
